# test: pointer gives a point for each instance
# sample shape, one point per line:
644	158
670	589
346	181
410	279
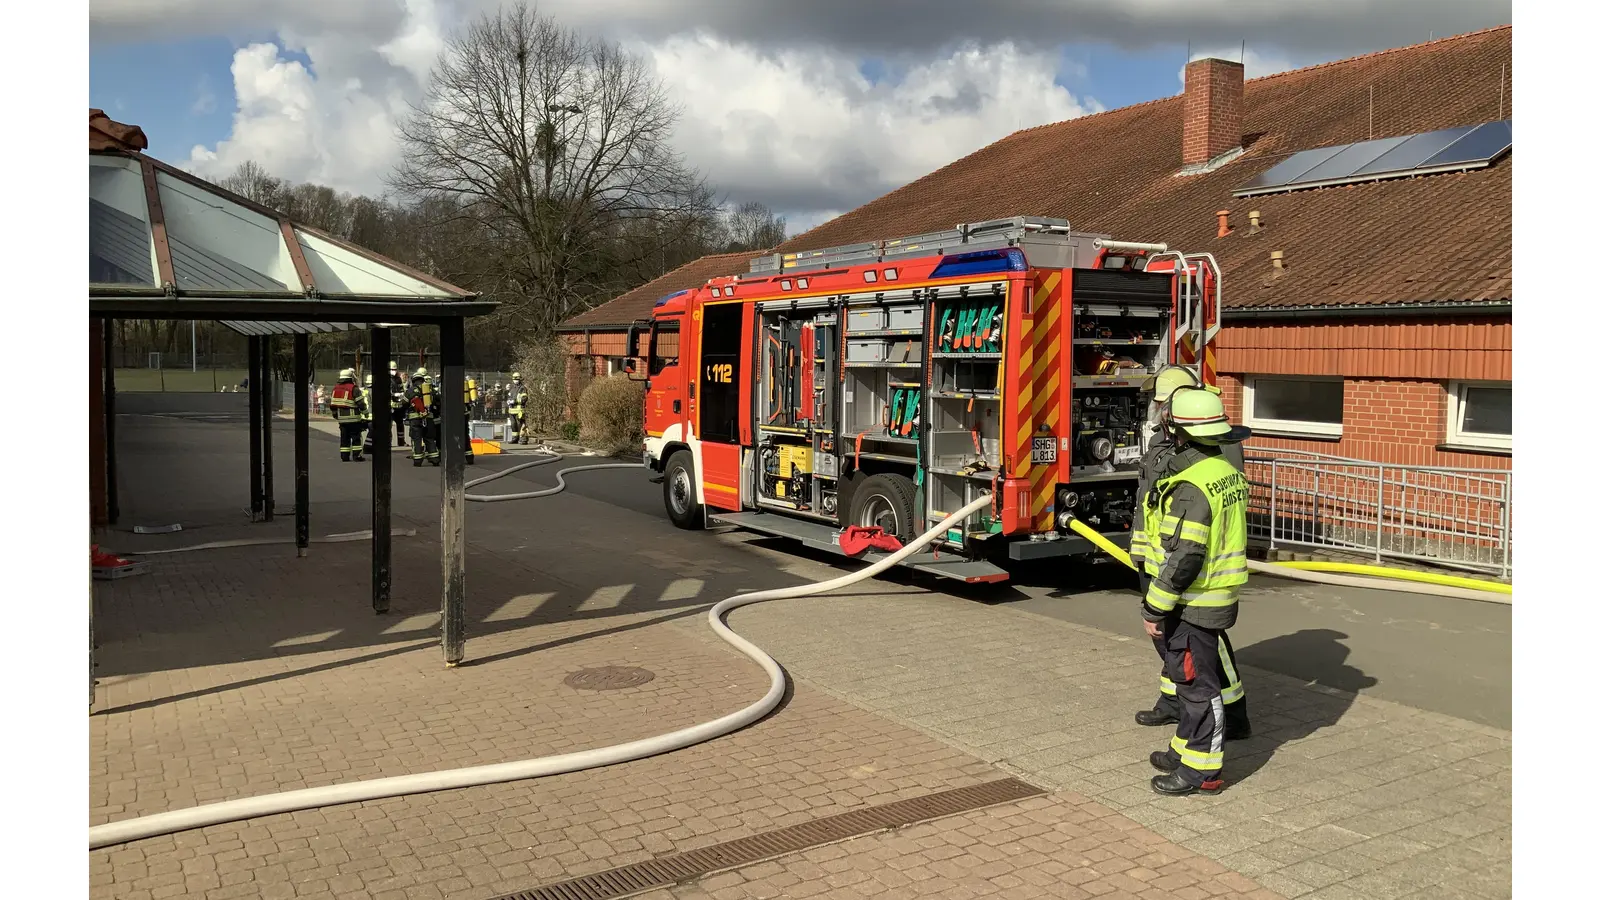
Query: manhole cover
609	678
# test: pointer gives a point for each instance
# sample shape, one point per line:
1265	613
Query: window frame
1455	414
1292	427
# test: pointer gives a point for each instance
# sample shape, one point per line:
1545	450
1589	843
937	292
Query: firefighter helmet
420	373
1199	414
347	373
393	367
1170	379
516	377
369	379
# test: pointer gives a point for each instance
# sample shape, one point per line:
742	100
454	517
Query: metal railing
1453	517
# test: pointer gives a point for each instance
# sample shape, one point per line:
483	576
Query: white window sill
1458	446
1287	431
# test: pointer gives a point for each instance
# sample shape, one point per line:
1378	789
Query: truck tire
885	501
678	492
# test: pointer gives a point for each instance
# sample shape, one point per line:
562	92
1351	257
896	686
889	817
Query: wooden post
453	433
302	442
253	376
269	496
113	509
381	429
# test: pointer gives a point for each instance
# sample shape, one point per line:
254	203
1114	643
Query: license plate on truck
1125	455
1044	450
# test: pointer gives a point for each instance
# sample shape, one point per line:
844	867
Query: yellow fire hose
1325	573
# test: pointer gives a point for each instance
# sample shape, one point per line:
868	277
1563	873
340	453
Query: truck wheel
677	489
884	501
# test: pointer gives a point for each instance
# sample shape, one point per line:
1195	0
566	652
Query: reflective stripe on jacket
1195	540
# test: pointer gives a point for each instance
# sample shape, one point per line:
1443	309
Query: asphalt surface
1432	653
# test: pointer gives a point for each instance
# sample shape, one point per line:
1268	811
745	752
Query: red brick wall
1399	421
1213	109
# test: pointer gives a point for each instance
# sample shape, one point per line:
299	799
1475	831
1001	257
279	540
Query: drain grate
679	867
609	678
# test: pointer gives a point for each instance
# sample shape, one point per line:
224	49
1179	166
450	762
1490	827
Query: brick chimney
1213	109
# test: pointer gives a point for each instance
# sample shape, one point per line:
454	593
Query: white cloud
334	122
804	131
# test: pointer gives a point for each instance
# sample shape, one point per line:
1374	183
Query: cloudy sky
810	106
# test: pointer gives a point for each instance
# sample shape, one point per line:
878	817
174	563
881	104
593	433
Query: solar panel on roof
1450	149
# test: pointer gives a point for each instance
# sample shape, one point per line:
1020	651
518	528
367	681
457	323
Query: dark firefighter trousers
350	428
1237	715
399	413
1194	664
424	440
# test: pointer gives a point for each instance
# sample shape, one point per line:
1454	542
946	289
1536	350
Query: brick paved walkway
235	672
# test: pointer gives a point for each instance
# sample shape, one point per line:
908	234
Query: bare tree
555	147
752	226
251	181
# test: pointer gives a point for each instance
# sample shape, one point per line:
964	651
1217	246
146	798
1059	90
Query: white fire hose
121	832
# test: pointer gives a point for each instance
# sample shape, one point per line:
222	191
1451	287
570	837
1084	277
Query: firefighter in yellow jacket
1194	553
366	416
470	396
1156	465
349	409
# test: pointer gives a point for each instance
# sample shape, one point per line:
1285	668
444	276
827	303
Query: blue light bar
981	262
663	300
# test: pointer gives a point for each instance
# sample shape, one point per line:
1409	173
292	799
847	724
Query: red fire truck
891	383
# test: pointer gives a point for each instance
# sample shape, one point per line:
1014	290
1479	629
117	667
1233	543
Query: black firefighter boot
1175	785
1164	712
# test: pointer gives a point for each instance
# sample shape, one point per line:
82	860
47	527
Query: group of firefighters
414	407
1188	542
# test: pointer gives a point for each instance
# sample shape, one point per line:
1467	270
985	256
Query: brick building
1366	316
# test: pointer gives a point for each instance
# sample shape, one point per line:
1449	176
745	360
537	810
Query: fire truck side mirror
636	369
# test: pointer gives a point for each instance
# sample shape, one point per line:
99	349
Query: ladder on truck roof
1049	243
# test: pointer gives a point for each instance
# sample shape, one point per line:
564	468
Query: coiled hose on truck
1322	573
142	827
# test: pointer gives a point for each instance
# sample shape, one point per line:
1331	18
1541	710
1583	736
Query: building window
616	365
1296	406
1480	415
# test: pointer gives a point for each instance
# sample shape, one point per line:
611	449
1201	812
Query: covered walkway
164	244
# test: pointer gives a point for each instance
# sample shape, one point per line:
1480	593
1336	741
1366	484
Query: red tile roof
623	310
1428	239
1431	239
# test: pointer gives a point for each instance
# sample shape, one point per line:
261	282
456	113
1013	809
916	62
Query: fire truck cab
890	383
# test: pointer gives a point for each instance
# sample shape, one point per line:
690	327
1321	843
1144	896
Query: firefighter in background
1155	466
470	395
366	417
516	402
1194	553
349	410
397	404
422	411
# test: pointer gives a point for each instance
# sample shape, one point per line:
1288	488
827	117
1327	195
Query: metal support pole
1378	557
1272	510
453	514
269	496
253	376
110	401
381	429
302	442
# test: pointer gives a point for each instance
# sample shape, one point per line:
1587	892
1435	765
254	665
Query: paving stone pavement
234	672
1334	797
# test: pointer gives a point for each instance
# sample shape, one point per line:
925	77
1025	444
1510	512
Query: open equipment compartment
966	384
796	466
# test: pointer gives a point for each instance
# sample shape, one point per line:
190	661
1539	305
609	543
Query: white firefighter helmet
420	373
347	373
516	377
369	379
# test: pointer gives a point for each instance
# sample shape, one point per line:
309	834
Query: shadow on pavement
1315	656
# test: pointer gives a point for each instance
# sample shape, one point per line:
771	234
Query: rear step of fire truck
823	537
